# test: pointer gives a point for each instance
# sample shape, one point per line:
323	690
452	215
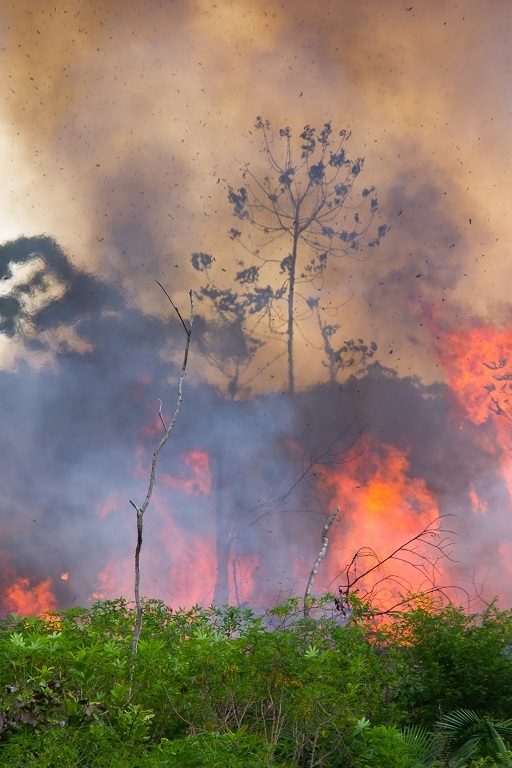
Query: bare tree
167	427
296	218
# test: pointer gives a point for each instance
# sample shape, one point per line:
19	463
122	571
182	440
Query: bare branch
187	330
366	564
319	558
152	475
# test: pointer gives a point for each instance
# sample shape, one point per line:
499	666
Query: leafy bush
225	687
448	659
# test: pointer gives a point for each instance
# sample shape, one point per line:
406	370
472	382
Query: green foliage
448	659
224	687
471	735
233	749
382	746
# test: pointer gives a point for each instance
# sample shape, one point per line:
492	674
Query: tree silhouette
500	388
303	213
225	340
352	352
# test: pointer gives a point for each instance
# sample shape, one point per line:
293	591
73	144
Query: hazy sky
118	119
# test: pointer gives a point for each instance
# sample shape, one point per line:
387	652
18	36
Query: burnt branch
154	461
368	575
319	558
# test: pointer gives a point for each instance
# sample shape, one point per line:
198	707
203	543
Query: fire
478	365
479	506
242	570
475	361
183	566
382	506
196	479
178	560
178	565
25	598
115	580
505	552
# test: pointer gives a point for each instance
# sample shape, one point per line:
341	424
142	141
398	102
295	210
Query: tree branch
319	558
152	475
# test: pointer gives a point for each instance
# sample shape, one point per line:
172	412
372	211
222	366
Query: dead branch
319	558
421	553
167	427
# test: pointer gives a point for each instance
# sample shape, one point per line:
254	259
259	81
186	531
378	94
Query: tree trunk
291	302
223	530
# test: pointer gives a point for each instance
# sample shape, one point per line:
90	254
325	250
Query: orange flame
475	361
478	506
478	364
115	580
242	570
24	598
197	478
382	506
179	561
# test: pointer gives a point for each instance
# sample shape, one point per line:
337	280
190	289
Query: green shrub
448	659
221	686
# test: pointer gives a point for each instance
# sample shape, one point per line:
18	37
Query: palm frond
467	734
424	745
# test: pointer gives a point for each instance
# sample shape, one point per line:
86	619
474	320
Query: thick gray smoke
77	435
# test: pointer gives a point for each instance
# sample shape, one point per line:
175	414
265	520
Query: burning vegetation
297	458
244	488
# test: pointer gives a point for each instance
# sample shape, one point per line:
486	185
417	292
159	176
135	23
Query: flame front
477	363
382	507
198	480
476	360
25	598
385	496
478	367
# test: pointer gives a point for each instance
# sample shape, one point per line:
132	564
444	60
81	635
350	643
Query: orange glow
196	480
381	507
505	552
478	506
178	565
113	503
478	365
183	568
115	580
241	572
182	573
476	362
64	576
24	598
